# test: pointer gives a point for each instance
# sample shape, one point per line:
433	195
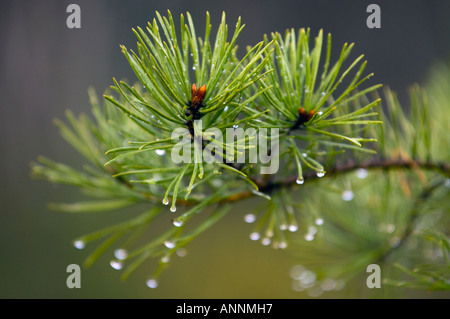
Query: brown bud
194	90
301	112
201	92
304	117
197	95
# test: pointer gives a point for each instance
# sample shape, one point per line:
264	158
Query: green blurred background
47	68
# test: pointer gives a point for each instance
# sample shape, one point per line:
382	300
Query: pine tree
360	180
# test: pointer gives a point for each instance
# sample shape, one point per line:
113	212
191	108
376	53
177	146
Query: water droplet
300	180
249	218
293	228
165	259
181	252
347	195
194	68
301	66
165	201
177	223
226	108
116	264
152	283
361	173
320	113
265	241
323	93
255	236
283	227
283	245
297	271
390	228
121	254
319	221
169	244
79	244
160	152
173	209
192	54
235	126
329	284
315	291
320	174
307	277
311	232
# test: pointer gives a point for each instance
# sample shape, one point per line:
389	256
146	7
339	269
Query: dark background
46	68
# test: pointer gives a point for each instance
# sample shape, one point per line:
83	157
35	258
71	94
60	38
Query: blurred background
46	68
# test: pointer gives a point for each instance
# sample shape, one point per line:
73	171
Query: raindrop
283	245
300	181
225	109
169	244
297	271
173	209
361	173
265	241
304	155
301	65
329	284
249	218
255	236
194	68
177	223
165	259
283	227
315	291
312	230
152	283
121	254
165	201
320	174
293	228
296	286
79	244
319	221
320	113
307	277
390	228
323	93
235	126
347	195
181	252
116	264
160	152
